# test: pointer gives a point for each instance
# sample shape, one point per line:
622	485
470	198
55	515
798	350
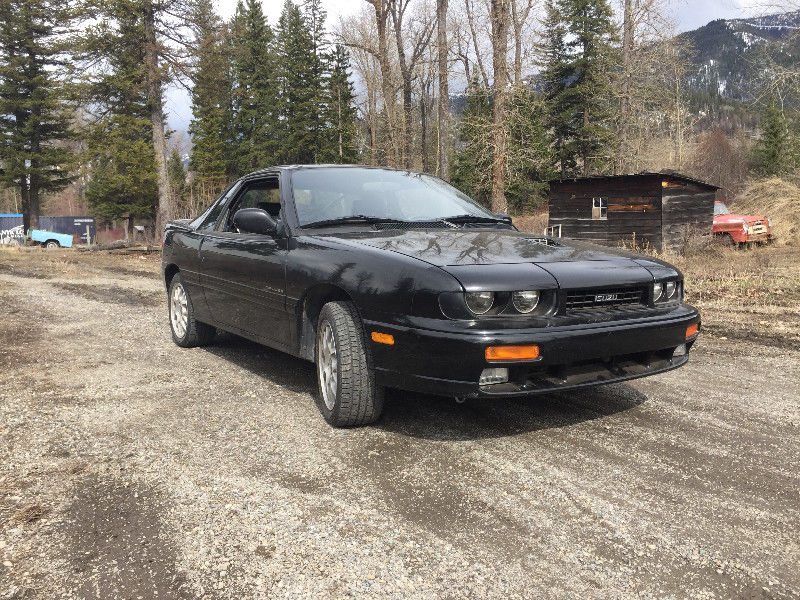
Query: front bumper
449	360
760	238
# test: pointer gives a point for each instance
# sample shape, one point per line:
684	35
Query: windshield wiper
475	219
352	219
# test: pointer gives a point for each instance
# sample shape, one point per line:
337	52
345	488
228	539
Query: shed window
600	207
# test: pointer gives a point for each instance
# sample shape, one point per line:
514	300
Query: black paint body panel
270	289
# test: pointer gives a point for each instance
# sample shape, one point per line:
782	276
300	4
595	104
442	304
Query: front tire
347	394
186	331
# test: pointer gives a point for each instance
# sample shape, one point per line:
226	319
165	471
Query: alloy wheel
327	365
179	310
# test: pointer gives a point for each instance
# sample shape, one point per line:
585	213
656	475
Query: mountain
726	55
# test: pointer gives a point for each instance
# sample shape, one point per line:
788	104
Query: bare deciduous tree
382	14
417	32
500	17
520	17
443	103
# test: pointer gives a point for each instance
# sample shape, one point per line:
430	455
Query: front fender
383	285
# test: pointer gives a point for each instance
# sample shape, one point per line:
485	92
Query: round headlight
479	302
658	289
669	289
525	301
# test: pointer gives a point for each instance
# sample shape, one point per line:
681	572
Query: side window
600	208
211	219
263	194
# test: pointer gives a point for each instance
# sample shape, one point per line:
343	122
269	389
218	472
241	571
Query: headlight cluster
667	291
479	302
523	301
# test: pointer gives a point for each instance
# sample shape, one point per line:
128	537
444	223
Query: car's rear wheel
51	244
347	393
187	332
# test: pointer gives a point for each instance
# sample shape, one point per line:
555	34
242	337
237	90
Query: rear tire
347	394
52	244
187	332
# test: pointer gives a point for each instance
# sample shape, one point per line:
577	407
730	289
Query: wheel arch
169	273
308	311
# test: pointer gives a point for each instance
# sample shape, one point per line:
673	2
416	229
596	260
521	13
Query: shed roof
664	175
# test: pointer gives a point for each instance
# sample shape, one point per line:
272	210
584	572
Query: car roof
296	167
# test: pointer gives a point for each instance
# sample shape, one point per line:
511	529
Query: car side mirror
254	220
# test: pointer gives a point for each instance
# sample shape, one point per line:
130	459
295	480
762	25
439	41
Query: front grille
605	298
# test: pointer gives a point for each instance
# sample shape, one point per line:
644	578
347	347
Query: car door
244	274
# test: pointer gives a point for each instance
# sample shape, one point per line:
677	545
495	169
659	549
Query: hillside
725	54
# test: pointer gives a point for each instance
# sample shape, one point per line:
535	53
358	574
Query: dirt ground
130	468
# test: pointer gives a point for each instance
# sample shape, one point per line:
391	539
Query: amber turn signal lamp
692	330
382	338
494	353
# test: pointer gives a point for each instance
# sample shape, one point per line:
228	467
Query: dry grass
777	199
535	223
39	263
745	294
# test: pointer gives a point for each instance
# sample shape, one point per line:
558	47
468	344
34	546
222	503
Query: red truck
740	229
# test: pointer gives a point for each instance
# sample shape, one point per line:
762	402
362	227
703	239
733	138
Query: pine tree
772	153
338	143
578	54
34	115
211	104
472	166
300	85
257	133
177	179
528	158
123	177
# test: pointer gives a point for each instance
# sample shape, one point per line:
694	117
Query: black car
388	278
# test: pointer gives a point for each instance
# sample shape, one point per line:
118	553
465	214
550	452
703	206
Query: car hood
522	256
733	218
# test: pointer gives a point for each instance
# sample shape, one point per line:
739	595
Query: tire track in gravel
670	486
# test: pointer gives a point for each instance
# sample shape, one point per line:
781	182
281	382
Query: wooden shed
647	208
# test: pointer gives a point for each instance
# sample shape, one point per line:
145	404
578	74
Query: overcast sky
689	14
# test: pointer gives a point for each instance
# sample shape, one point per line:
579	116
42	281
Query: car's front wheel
347	392
187	332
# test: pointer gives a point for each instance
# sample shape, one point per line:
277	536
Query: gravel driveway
132	468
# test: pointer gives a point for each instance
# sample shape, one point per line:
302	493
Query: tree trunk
166	208
408	119
398	8
519	18
381	23
34	198
423	135
474	36
585	156
625	101
28	185
500	16
372	123
30	216
443	107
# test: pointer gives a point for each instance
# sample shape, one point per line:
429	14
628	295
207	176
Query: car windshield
368	195
721	209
